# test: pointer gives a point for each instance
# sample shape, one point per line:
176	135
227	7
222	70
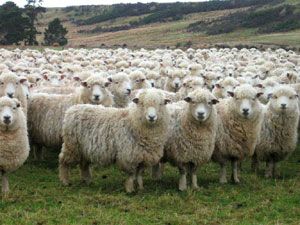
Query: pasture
37	197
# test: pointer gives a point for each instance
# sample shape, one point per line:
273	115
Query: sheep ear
259	86
84	84
230	93
218	86
76	78
167	101
107	84
214	101
45	77
109	79
23	80
188	99
259	94
135	100
62	77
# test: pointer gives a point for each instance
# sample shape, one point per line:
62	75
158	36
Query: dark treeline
160	12
275	19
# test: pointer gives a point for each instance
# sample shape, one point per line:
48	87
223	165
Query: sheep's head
150	104
54	79
245	101
9	113
9	84
284	99
266	87
120	84
226	85
201	103
96	88
138	79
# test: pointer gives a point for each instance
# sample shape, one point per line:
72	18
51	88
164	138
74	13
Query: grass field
37	197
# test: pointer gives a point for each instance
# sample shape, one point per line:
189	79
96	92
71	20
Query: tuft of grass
37	197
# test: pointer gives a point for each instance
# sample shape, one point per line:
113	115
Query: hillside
129	24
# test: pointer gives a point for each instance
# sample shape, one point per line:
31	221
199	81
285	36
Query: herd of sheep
142	108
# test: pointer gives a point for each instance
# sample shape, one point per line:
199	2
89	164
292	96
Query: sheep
266	87
121	89
239	123
132	137
223	86
138	80
46	112
278	136
193	135
11	85
174	80
13	138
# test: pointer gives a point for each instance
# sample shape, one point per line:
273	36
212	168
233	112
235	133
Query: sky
63	3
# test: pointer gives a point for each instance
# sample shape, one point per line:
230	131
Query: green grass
37	197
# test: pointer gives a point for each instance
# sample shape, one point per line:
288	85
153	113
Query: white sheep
132	137
239	124
13	138
278	136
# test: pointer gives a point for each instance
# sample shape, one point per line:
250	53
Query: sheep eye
17	83
292	97
274	96
14	108
116	82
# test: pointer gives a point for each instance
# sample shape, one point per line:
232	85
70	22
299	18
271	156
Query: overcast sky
62	3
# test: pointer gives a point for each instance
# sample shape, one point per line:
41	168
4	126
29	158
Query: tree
55	33
32	9
13	24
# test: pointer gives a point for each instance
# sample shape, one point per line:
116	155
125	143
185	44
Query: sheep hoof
66	183
223	180
195	187
129	185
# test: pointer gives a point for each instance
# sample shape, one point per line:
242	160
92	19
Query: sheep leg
223	179
140	172
129	183
5	184
85	171
254	164
269	169
193	172
234	175
274	170
182	181
157	171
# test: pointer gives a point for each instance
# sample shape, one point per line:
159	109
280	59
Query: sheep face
284	99
9	84
8	113
54	79
245	101
201	104
96	91
150	105
120	85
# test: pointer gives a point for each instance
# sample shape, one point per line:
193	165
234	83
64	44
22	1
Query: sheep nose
6	119
128	91
96	97
151	118
245	111
283	106
152	84
11	95
200	115
176	85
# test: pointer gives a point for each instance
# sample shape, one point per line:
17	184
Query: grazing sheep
192	140
278	136
46	112
239	123
132	137
13	138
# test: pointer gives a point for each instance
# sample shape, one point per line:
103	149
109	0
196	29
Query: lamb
239	123
121	89
192	140
279	129
46	112
133	137
13	138
11	85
